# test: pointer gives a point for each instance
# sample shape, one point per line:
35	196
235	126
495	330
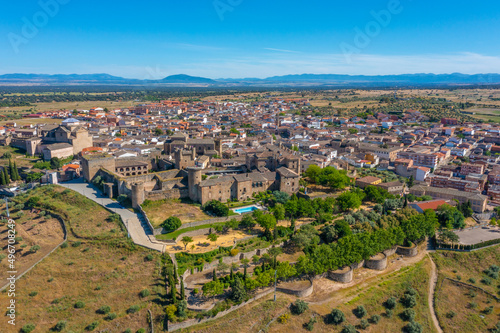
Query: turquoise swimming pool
245	209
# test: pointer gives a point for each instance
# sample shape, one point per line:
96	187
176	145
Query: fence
467	248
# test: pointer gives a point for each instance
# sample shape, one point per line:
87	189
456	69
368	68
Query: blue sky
249	38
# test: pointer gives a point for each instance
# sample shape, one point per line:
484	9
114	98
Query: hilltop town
226	199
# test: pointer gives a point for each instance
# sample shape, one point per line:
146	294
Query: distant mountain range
286	80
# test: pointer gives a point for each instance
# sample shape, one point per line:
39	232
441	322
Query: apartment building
478	201
468	168
420	159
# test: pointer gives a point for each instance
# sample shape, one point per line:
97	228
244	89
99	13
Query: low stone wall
171	327
377	264
344	275
407	251
358	264
299	293
390	252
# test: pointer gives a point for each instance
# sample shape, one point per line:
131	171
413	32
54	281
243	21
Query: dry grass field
56	106
469	265
32	229
98	267
159	211
462	309
263	314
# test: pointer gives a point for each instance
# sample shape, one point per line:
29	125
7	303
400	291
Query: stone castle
148	177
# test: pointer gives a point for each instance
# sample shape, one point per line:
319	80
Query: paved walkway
135	224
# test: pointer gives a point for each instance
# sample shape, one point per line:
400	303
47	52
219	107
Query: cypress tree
175	274
2	178
11	170
214	275
245	273
231	276
263	265
6	176
16	172
173	289
183	292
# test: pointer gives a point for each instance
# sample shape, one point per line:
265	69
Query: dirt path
432	288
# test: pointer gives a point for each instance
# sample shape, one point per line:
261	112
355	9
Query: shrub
390	303
34	248
64	245
149	257
104	309
472	280
111	316
172	223
472	305
336	317
144	293
133	309
375	319
79	305
486	281
310	324
488	310
283	319
408	315
92	326
61	325
76	244
27	328
299	307
234	252
451	314
216	208
412	327
141	330
348	329
360	311
33	293
363	324
409	301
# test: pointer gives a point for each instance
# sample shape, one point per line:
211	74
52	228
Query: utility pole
275	271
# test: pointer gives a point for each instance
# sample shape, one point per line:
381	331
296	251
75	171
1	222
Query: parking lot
478	235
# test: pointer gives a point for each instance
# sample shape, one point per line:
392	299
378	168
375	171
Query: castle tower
218	147
137	194
194	179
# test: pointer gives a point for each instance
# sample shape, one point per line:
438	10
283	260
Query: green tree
238	292
213	288
172	223
279	212
360	311
348	200
186	240
299	307
267	222
56	163
336	317
213	238
247	222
